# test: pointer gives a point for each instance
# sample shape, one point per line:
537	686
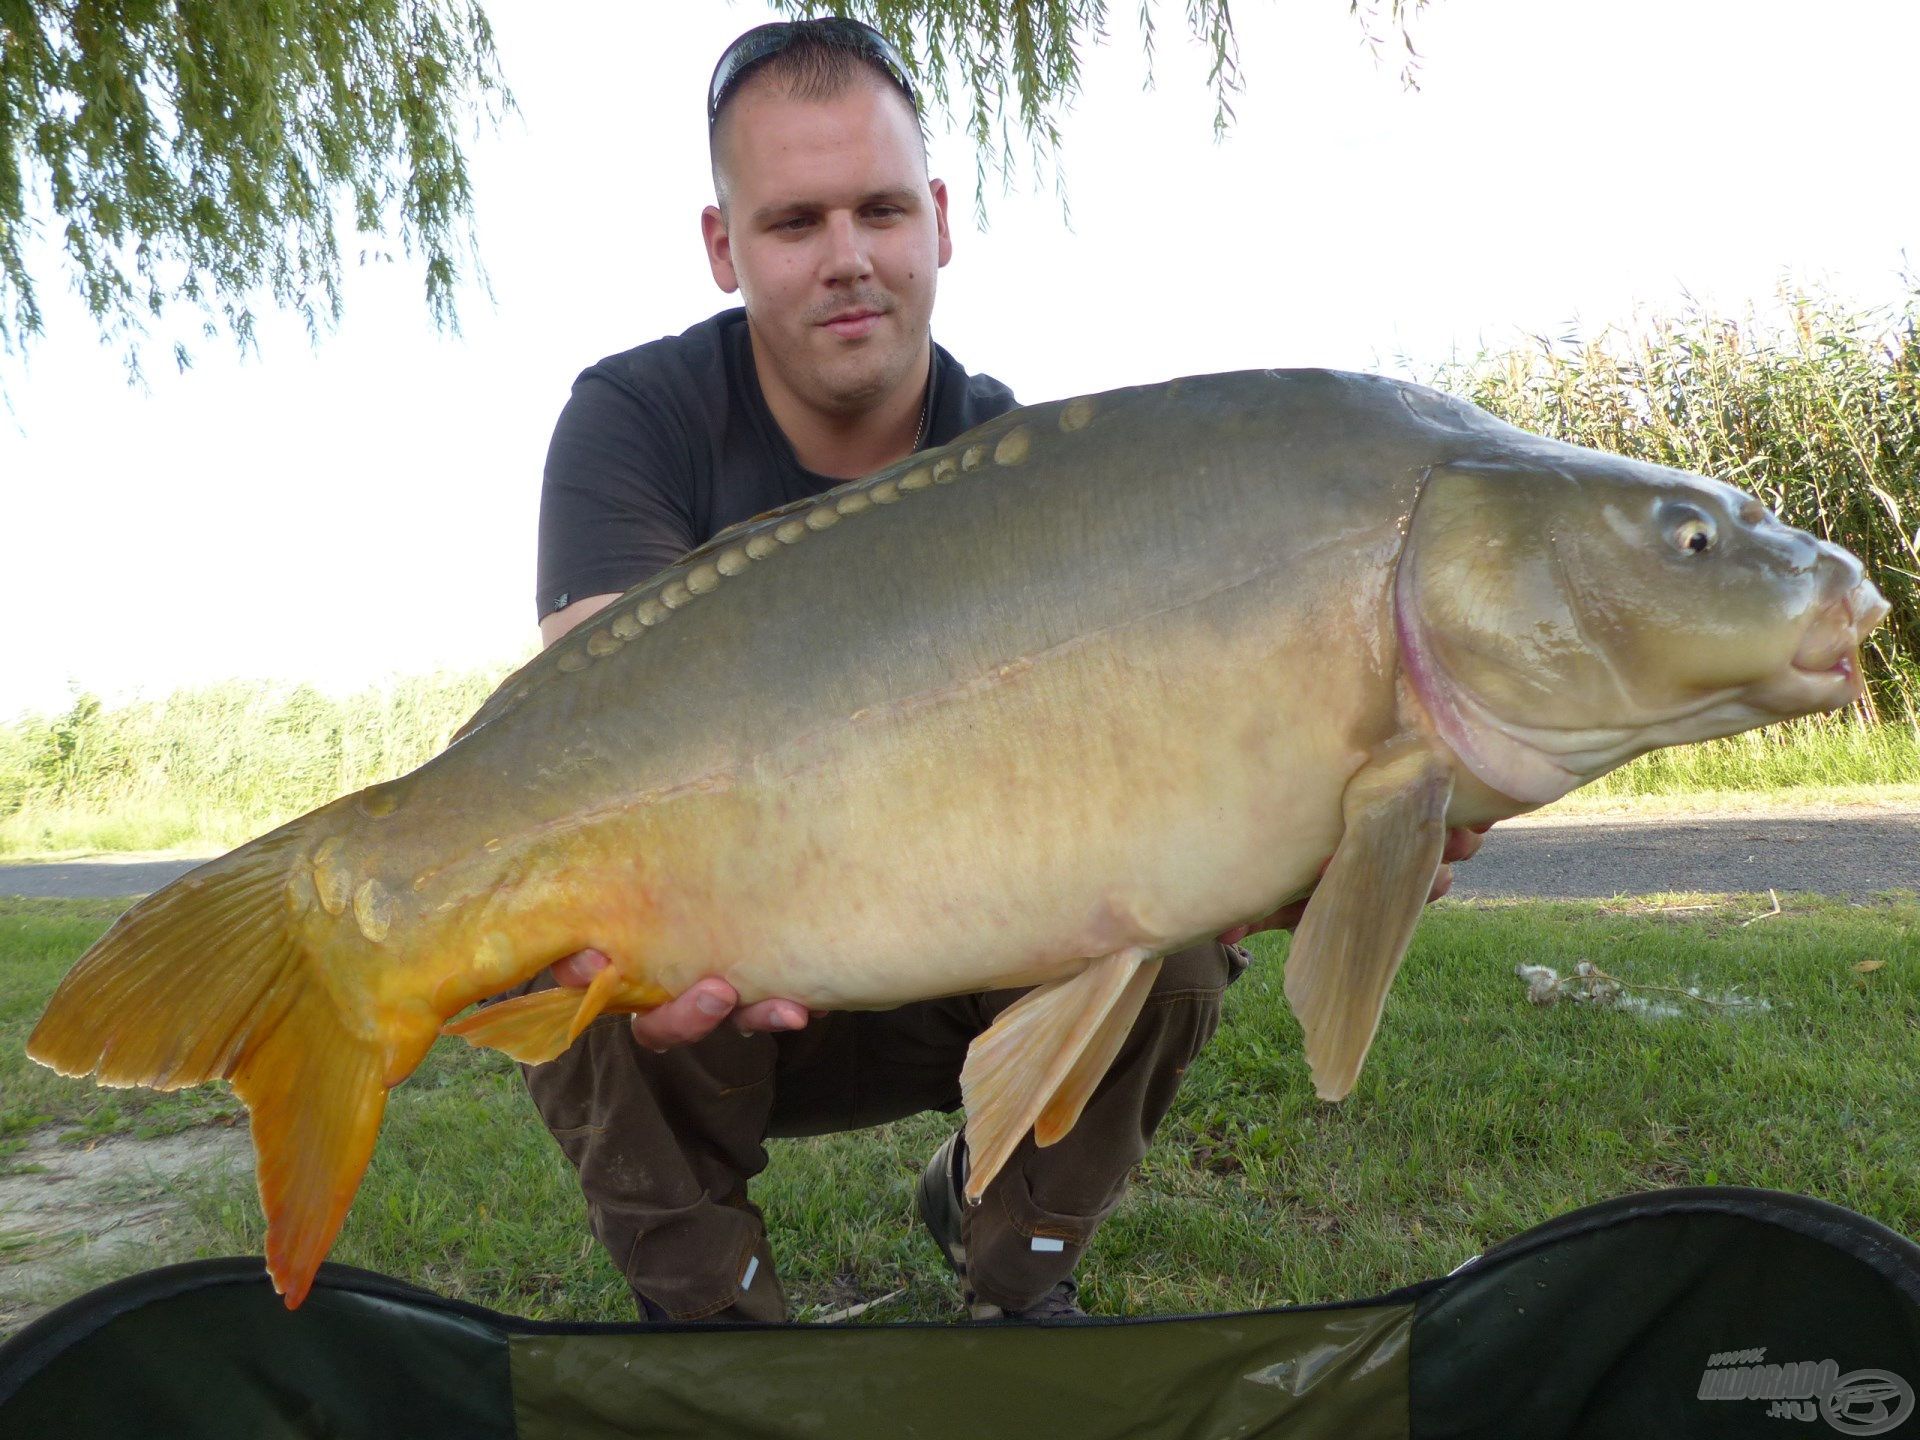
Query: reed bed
210	767
1815	410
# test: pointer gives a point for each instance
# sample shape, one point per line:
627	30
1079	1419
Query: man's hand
697	1012
1461	845
693	1014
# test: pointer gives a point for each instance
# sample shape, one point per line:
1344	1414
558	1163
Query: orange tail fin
206	980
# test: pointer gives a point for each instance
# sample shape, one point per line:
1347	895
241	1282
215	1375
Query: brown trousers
665	1144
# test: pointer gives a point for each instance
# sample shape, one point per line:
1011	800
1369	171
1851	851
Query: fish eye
1690	531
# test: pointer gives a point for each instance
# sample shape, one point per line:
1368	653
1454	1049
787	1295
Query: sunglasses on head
763	42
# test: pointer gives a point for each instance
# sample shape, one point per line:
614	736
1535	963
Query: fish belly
1132	789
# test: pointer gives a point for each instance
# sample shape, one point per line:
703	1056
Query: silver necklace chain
926	409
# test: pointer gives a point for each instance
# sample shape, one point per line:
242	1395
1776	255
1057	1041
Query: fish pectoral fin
535	1028
1038	1063
1362	914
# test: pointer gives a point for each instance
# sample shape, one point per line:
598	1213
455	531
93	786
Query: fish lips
1825	672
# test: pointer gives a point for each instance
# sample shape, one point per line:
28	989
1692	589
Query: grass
1477	1116
39	941
1817	753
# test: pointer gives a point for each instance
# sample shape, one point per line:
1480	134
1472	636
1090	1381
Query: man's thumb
579	968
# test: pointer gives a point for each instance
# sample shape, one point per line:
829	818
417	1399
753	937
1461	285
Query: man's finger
1287	917
579	968
689	1016
770	1015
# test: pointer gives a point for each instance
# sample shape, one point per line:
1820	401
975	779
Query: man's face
832	235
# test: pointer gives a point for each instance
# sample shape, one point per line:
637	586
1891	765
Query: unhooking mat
1679	1313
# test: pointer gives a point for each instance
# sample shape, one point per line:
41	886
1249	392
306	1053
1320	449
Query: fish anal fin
1020	1063
1361	917
535	1028
316	1097
1063	1110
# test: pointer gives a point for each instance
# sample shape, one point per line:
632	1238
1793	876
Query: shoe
944	1211
1060	1303
941	1206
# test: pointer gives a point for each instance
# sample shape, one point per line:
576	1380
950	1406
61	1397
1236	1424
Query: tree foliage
202	153
1016	64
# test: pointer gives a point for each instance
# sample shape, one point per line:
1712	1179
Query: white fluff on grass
1590	985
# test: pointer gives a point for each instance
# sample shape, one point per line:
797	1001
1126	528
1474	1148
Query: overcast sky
367	507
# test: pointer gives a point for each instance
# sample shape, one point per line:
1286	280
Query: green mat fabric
1338	1373
1677	1313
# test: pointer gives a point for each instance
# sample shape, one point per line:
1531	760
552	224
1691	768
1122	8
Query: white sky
368	508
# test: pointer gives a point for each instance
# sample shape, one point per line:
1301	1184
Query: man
828	225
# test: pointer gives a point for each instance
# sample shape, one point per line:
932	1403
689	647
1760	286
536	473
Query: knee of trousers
1182	1010
664	1146
1206	968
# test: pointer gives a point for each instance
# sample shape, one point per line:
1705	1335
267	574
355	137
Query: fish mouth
1825	671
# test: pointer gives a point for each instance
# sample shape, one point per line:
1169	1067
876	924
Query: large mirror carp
1101	678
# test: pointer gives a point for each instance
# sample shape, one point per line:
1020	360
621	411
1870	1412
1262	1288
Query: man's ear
939	188
713	231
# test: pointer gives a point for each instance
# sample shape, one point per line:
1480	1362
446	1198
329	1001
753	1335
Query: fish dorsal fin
1362	913
505	695
540	669
1040	1060
517	686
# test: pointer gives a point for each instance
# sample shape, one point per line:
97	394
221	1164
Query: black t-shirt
662	447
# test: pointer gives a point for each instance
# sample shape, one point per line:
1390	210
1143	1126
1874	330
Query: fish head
1560	611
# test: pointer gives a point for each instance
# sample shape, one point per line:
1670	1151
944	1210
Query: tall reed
217	764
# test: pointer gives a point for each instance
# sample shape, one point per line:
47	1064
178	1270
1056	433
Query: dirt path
72	1211
102	876
1852	852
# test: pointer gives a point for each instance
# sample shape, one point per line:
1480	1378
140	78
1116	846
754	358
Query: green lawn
1478	1115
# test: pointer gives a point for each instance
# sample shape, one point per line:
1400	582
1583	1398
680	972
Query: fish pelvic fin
535	1028
1063	1110
1361	917
211	978
1036	1065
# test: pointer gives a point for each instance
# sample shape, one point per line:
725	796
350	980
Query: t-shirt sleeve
614	505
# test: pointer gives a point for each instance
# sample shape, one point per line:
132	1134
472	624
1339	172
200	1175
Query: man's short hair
813	60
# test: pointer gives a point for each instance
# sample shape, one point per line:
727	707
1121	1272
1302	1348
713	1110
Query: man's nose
846	257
